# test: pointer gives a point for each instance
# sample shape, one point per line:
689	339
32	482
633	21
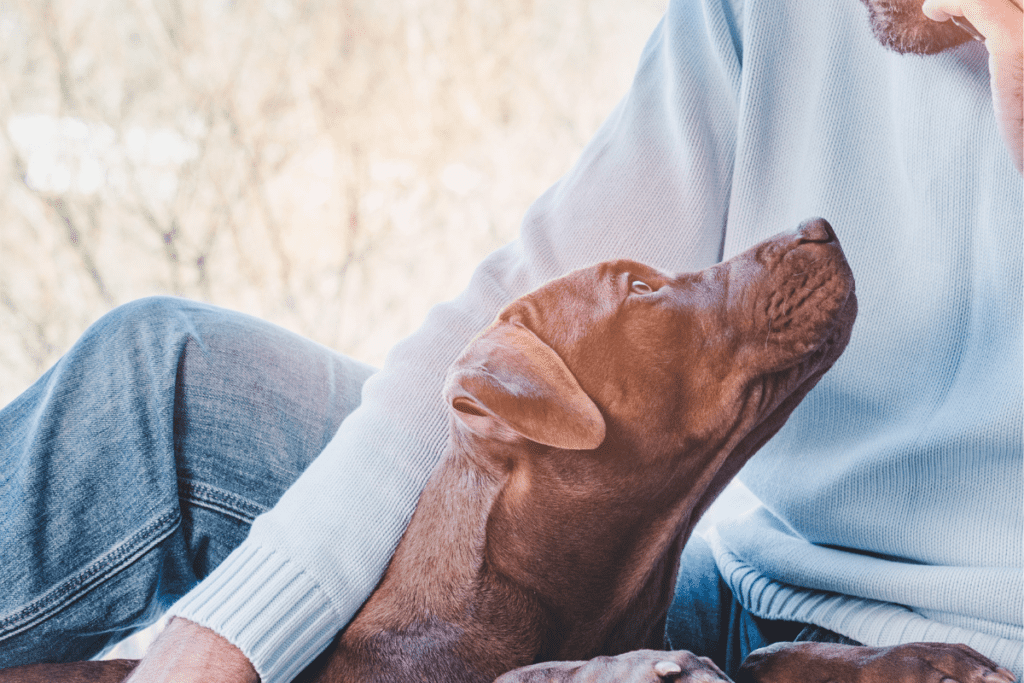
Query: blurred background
334	167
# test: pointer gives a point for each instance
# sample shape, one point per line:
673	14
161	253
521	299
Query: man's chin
903	28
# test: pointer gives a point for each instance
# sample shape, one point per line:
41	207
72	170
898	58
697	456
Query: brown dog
592	424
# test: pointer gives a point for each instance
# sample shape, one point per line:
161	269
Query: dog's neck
610	553
438	586
434	572
463	592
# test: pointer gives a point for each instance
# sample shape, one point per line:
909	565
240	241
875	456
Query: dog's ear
510	384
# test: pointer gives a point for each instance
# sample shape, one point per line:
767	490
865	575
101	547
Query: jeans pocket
61	619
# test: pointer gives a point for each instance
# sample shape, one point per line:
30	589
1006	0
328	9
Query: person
891	503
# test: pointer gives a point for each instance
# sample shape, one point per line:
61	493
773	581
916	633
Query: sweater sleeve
653	185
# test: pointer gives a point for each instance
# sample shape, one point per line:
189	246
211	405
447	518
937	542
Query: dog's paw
109	671
939	662
909	663
640	666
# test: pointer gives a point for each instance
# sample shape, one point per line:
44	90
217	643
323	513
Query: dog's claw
667	669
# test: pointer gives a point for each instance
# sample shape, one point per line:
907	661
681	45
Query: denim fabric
138	462
706	618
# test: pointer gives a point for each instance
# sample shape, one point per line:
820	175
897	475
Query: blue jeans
137	463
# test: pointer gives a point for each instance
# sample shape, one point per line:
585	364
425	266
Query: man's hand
1000	21
185	652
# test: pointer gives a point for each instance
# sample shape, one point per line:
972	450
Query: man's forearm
186	652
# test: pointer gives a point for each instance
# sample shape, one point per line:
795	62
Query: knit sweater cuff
871	622
267	607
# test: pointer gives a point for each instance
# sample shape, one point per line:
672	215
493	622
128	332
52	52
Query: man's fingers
998	20
1001	24
934	10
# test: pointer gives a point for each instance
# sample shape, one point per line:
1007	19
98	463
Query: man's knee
151	321
148	309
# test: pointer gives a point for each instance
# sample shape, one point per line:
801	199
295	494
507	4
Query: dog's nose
815	230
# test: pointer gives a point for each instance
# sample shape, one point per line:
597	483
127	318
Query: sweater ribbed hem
267	607
874	623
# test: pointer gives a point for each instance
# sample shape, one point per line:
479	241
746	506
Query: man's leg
706	619
138	462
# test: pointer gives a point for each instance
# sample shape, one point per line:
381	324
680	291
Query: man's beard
900	25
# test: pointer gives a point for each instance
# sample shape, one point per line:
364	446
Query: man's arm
185	652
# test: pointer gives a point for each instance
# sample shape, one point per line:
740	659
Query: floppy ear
508	380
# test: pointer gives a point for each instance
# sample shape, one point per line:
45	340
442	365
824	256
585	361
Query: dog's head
621	356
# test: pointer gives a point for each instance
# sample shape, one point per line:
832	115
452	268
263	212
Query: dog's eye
640	287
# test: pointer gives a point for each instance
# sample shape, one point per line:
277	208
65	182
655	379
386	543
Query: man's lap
705	617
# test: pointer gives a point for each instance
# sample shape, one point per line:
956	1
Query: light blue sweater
893	498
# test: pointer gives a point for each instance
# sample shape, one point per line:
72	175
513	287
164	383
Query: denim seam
219	500
62	595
